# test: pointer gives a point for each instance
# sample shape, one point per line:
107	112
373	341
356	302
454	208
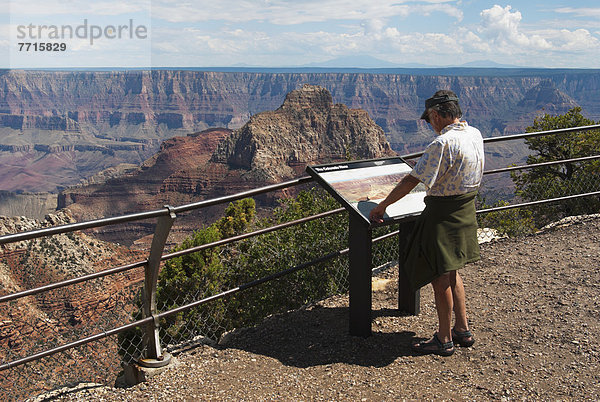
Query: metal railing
18	353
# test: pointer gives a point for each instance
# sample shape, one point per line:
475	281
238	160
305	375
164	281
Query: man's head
445	103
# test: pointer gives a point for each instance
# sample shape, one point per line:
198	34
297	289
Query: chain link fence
37	323
230	266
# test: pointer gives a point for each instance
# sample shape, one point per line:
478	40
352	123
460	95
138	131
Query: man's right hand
376	214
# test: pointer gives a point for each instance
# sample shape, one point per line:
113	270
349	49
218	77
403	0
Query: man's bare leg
461	324
460	307
444	303
441	344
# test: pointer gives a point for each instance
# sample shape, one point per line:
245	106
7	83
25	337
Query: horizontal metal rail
147	320
251	234
541	164
522	136
531	203
72	227
385	236
79	342
242	195
541	133
68	282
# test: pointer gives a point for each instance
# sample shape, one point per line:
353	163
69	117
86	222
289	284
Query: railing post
154	354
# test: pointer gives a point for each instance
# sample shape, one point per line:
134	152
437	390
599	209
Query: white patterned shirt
453	163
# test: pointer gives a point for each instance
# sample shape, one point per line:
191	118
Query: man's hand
376	214
407	183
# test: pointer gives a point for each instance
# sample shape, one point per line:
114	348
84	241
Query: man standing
445	235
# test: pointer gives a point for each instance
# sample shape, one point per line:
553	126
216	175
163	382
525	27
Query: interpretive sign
361	185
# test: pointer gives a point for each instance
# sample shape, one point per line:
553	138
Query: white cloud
580	12
285	12
577	40
501	36
501	27
471	42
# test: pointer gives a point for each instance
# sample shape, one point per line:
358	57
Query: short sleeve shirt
453	163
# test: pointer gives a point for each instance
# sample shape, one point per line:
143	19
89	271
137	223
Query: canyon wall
70	125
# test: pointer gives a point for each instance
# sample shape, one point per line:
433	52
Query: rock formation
307	129
273	146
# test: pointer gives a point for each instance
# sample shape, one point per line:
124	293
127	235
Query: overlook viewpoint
535	310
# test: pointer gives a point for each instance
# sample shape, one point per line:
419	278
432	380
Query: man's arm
405	186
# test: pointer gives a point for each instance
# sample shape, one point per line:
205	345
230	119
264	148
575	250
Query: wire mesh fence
37	323
90	363
208	273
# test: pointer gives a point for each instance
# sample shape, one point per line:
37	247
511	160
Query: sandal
464	339
434	346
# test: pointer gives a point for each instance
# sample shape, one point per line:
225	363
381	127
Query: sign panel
361	185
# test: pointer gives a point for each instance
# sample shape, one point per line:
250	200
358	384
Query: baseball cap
436	100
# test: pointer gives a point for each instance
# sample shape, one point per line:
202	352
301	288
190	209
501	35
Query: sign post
359	186
360	289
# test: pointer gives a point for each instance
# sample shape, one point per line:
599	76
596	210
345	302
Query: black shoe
464	339
434	346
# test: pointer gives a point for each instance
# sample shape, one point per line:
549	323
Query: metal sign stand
408	299
360	277
350	183
361	265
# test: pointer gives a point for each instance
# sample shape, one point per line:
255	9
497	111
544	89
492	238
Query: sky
293	33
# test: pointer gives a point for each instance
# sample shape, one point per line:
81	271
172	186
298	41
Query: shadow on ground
320	336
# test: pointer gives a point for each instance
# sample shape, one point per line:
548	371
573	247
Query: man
445	234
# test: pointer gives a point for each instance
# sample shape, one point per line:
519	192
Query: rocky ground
534	307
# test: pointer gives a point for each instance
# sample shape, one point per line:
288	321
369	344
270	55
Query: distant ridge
488	64
418	71
454	71
358	61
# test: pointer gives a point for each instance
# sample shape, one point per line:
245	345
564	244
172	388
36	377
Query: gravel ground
533	317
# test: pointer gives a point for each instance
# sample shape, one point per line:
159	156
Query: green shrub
211	271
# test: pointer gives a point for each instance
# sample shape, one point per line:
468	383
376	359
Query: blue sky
276	33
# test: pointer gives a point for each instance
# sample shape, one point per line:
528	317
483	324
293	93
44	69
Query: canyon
58	128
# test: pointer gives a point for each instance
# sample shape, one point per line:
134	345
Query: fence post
154	354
